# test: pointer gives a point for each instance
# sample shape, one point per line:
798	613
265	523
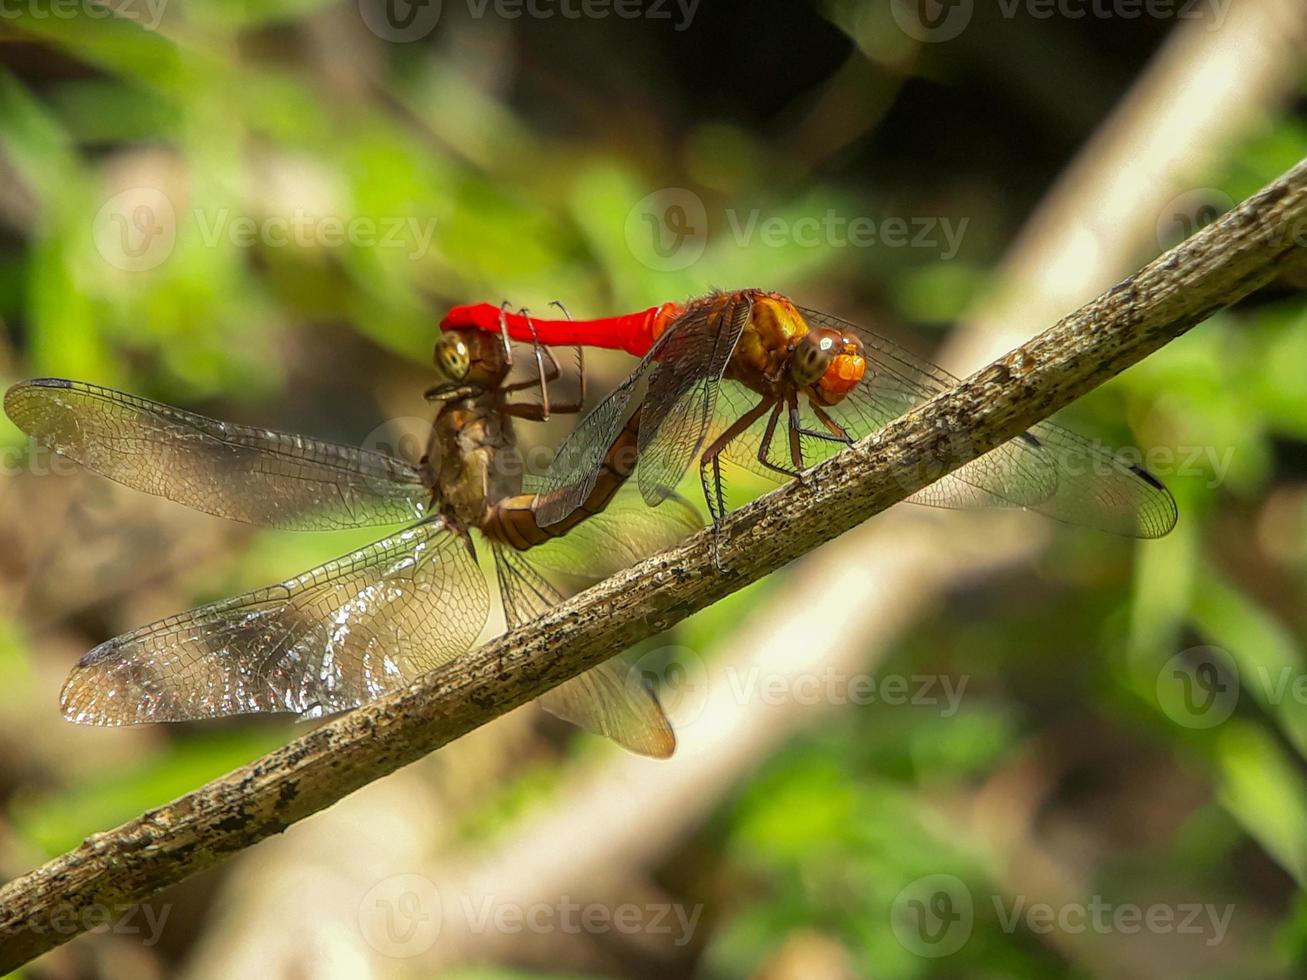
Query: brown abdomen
513	521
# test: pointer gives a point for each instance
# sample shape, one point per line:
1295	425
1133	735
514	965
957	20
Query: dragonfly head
829	363
471	356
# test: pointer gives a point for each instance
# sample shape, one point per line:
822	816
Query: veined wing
1048	469
676	385
690	358
337	636
248	474
608	699
623	533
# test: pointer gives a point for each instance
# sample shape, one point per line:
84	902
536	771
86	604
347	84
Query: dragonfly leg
712	492
764	448
837	432
580	364
796	444
545	376
503	332
710	460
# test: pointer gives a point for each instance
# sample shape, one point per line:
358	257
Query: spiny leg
764	448
711	459
503	332
796	444
837	432
580	360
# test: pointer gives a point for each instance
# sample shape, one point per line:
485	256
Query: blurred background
945	745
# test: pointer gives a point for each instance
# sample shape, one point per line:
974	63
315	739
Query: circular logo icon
932	21
680	679
403	438
1199	687
933	915
400	21
401	916
668	229
136	229
1190	212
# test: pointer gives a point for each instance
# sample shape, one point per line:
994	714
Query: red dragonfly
718	375
348	631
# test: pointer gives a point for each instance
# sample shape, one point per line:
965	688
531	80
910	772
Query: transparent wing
608	699
678	411
625	532
675	384
579	458
1048	469
239	472
333	638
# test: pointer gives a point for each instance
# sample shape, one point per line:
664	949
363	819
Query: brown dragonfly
350	630
750	377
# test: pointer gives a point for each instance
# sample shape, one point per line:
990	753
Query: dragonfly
749	377
369	622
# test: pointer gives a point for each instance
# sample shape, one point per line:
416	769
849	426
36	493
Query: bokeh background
945	745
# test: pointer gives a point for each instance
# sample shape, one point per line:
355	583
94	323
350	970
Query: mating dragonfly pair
745	376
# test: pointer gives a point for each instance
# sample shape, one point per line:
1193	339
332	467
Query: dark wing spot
1147	477
50	383
1027	437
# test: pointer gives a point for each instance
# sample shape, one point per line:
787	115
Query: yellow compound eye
453	357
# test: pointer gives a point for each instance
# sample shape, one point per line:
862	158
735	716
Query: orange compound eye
842	376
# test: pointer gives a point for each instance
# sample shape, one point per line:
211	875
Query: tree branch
1215	268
